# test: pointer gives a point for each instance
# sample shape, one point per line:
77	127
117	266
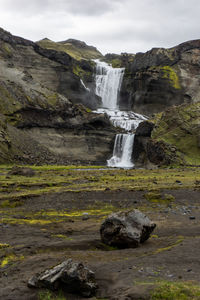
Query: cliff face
45	105
42	119
161	77
172	138
53	69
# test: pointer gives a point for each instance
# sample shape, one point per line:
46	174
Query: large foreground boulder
126	229
71	276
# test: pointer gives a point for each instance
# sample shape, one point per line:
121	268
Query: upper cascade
108	83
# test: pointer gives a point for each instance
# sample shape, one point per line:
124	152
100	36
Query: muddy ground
172	253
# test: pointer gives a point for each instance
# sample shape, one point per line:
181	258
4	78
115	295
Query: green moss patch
167	290
157	197
10	259
170	74
57	179
48	295
179	127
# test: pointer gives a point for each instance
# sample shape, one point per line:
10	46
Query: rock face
172	139
70	276
42	119
126	229
161	78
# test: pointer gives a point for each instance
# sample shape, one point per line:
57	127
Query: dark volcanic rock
22	171
142	137
150	152
144	129
126	229
161	78
71	276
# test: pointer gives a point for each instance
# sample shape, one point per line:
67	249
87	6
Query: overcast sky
110	25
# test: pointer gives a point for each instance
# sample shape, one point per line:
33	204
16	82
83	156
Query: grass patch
57	179
48	295
156	197
62	236
9	259
3	246
167	290
11	204
168	248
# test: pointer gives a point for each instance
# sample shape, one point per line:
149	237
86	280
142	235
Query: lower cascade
108	84
122	152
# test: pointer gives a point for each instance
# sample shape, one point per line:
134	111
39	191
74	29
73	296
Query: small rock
74	277
179	182
85	217
126	229
21	171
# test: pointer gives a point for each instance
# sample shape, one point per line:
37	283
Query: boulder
144	129
21	171
126	229
70	276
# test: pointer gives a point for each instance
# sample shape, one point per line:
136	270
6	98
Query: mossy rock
157	197
179	126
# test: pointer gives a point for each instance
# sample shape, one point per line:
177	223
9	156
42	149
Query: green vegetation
10	204
9	259
47	295
157	197
168	248
6	50
167	290
3	246
73	50
116	63
59	179
170	74
179	127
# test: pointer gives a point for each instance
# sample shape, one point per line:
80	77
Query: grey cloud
77	7
111	25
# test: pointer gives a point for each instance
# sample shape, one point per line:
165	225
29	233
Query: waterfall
83	84
108	85
122	152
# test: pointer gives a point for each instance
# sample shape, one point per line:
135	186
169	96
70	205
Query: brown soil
172	253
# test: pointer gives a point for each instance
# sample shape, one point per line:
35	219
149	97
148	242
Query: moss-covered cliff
173	137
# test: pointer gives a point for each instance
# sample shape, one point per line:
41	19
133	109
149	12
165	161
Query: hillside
42	116
172	137
75	48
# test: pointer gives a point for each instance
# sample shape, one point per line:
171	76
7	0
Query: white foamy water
108	85
127	120
85	87
122	153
